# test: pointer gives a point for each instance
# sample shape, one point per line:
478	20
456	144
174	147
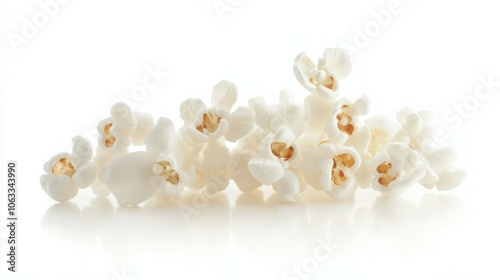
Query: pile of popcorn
327	142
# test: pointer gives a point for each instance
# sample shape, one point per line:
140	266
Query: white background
89	54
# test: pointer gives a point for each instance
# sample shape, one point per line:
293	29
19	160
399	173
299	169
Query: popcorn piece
331	168
135	177
129	177
278	155
324	78
118	132
204	124
396	169
169	180
345	127
66	173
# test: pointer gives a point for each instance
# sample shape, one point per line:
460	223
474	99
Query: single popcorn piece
204	124
323	79
169	179
119	131
135	177
66	173
277	164
129	177
396	169
346	127
331	168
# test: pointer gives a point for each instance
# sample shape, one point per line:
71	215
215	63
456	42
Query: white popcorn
248	148
161	141
331	168
417	131
135	177
323	142
207	169
382	131
169	180
205	157
66	173
278	158
345	127
216	167
396	169
285	113
318	111
268	118
162	138
115	135
204	124
119	131
129	177
323	79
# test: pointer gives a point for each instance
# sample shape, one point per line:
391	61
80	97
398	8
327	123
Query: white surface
63	81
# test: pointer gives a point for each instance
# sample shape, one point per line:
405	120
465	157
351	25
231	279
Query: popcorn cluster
326	142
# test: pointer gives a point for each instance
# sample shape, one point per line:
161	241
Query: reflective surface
239	235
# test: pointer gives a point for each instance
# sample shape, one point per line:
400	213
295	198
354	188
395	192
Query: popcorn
115	135
66	173
274	165
327	142
206	159
129	177
168	178
204	124
272	142
417	131
271	117
248	147
381	132
331	168
119	131
396	169
345	127
323	79
135	177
